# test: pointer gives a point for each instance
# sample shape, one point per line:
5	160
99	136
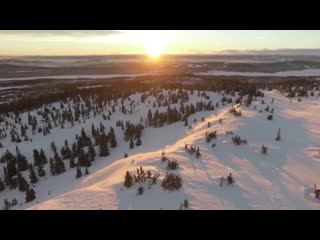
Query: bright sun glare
154	49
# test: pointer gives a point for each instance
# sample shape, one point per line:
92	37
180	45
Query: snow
75	77
298	73
13	87
283	179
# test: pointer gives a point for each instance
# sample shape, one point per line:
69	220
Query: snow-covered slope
282	179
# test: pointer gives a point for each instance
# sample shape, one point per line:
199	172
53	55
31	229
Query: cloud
58	33
280	51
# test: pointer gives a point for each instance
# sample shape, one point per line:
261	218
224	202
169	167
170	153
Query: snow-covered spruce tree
92	153
52	168
58	164
140	190
36	157
103	149
171	182
113	142
172	165
128	180
79	173
72	163
264	150
22	183
22	163
138	142
30	194
43	157
2	186
32	176
278	138
230	179
131	144
41	171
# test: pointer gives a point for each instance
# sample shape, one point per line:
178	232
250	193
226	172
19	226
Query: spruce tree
36	157
2	186
131	144
103	149
41	171
278	138
128	181
30	195
22	183
92	153
52	168
72	164
113	142
79	173
43	157
32	176
22	162
86	171
138	142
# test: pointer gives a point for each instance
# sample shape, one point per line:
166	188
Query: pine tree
79	173
43	157
22	183
230	179
30	195
72	164
128	181
131	144
36	157
41	171
103	149
53	147
22	162
52	168
32	176
113	142
278	138
138	142
58	164
2	186
92	153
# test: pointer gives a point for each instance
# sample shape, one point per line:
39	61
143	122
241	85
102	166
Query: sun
154	48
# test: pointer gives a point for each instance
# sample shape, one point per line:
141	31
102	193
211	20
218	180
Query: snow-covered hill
282	179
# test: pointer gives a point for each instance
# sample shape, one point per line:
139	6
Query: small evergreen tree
43	157
41	171
140	190
2	186
128	181
138	142
131	144
86	171
72	164
22	183
32	176
79	173
30	195
278	138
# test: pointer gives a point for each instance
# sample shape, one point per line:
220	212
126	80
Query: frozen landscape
283	178
188	133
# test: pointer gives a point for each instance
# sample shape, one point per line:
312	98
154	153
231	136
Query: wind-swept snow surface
282	179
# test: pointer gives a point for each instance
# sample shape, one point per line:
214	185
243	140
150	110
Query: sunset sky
155	42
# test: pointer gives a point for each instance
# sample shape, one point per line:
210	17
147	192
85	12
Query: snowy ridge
282	179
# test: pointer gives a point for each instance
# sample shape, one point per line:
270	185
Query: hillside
282	179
